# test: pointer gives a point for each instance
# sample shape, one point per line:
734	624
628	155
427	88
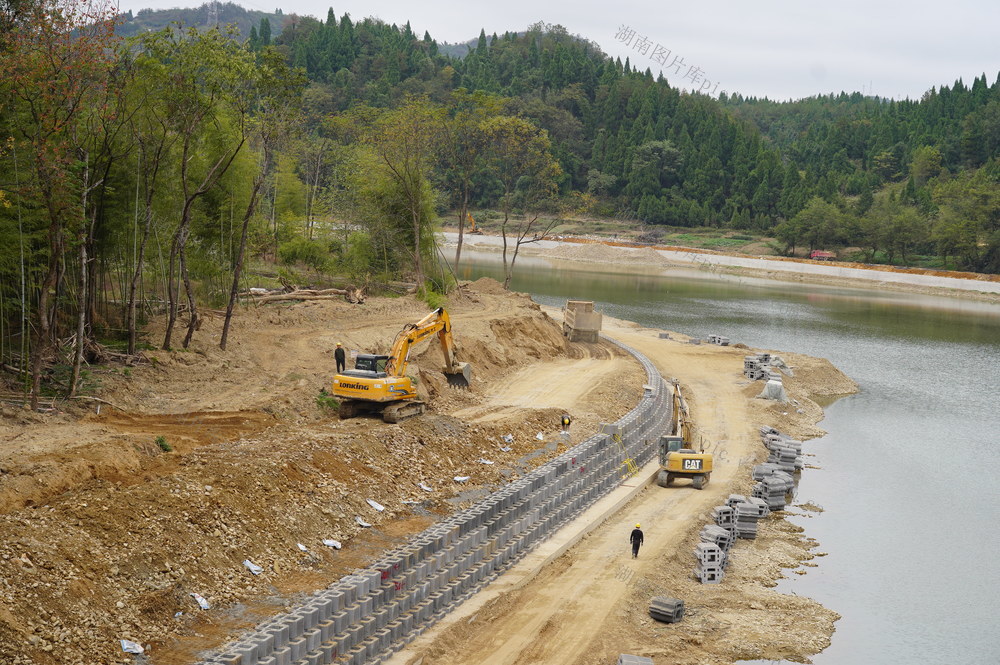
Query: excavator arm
438	322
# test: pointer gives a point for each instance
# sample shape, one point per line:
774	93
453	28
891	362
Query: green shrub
324	400
432	297
312	253
161	441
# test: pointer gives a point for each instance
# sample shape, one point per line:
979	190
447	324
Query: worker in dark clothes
636	539
340	357
565	422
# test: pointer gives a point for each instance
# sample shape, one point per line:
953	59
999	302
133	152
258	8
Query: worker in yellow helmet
341	357
636	540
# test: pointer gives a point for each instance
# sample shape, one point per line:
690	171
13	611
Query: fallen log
351	294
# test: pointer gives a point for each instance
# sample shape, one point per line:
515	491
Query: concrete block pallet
368	615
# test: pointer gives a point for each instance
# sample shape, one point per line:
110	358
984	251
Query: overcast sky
776	48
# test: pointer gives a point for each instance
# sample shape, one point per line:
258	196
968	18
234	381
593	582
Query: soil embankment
105	535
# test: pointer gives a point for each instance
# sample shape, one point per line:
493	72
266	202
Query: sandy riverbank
959	285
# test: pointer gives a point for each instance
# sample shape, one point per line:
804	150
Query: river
908	478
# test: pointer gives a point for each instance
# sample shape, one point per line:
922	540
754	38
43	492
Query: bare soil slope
104	536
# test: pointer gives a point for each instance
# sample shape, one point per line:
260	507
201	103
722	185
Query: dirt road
581	608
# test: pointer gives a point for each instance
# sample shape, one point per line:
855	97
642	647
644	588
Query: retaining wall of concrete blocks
366	616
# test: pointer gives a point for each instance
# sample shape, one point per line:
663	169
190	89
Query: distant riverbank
965	285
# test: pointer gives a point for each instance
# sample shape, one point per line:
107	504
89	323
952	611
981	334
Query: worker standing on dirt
636	540
565	422
340	357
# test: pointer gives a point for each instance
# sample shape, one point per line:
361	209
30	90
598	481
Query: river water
909	468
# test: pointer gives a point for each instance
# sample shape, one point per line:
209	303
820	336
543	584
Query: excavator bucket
461	378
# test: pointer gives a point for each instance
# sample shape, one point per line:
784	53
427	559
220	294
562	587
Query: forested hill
647	151
862	142
634	142
208	15
638	144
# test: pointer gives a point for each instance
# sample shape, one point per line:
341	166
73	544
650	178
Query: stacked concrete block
784	451
718	339
772	490
368	615
712	553
752	368
748	513
666	609
629	659
724	516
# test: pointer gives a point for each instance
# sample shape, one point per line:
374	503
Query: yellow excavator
473	229
677	459
380	384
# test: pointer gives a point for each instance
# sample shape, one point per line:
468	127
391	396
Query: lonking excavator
380	384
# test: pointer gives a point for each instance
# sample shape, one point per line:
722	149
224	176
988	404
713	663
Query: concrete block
282	656
367	606
709	575
327	629
265	644
629	659
313	639
297	648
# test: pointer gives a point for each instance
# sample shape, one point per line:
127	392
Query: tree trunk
171	291
507	271
461	226
81	315
43	329
193	322
137	275
238	268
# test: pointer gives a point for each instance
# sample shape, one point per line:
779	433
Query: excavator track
403	410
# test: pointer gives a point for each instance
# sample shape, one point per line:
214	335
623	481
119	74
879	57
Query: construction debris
252	567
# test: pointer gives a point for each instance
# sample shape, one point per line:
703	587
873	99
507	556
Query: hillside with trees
147	168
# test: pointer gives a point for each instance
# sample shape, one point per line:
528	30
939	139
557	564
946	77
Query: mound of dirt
601	253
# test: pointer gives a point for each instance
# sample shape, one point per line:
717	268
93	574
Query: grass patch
326	401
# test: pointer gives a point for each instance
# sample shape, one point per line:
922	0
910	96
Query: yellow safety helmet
637	525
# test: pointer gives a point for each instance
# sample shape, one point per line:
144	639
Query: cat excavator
379	384
678	459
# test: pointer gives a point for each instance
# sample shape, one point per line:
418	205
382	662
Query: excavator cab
368	365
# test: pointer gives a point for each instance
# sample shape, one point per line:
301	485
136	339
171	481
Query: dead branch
97	399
